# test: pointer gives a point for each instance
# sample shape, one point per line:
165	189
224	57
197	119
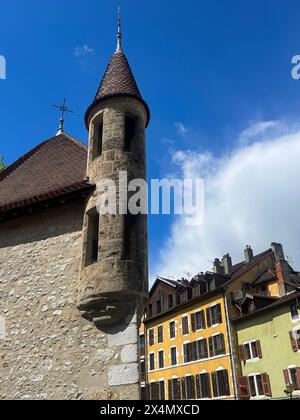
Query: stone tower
114	273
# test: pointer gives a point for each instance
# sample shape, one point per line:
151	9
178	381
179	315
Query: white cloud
82	53
252	197
181	129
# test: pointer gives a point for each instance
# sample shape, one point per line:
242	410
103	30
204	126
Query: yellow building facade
188	352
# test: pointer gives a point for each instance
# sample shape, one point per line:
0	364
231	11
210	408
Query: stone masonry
49	351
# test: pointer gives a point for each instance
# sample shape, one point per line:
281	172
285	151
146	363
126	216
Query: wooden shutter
193	321
170	390
193	393
176	390
243	387
198	387
185	353
294	342
211	347
219	312
266	385
147	393
258	349
215	384
162	391
208	385
208	317
203	319
183	389
298	379
195	352
242	354
287	377
205	356
222	344
226	381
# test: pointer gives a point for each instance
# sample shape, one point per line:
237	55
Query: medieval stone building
73	282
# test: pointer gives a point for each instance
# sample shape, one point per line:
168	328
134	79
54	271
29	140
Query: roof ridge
70	137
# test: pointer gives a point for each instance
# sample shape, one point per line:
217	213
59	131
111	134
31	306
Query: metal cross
63	110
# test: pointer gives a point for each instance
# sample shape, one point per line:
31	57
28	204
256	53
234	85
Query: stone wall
48	351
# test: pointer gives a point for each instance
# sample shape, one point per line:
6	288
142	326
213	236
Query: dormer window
98	138
130	131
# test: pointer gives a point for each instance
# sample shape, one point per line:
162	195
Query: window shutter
243	386
195	352
183	389
293	342
286	377
185	353
198	388
219	312
156	391
208	385
193	393
170	390
203	320
205	356
266	385
226	381
211	347
258	349
298	379
208	317
193	320
147	393
222	344
215	384
242	354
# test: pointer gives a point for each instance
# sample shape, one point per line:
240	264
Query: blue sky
217	67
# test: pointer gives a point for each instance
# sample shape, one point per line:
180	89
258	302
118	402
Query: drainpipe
228	324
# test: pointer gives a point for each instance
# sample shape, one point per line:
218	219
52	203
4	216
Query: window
143	371
170	301
151	362
173	356
203	386
130	130
154	391
151	337
214	315
292	377
250	351
202	349
220	381
256	386
130	223
190	388
160	334
93	238
190	352
185	325
174	389
172	329
158	307
162	391
161	361
294	311
217	345
98	139
142	345
198	321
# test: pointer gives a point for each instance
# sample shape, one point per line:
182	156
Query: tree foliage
2	164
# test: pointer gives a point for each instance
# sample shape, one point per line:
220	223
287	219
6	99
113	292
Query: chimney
218	268
278	251
248	254
227	264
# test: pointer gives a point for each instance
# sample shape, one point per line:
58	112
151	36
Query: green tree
2	164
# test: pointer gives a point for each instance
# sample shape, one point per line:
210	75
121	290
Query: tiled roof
118	80
55	167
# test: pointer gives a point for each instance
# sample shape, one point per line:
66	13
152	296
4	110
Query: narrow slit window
129	239
98	140
130	130
93	239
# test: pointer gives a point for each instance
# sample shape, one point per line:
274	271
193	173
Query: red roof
55	167
118	80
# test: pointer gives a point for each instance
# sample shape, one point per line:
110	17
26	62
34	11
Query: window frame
176	356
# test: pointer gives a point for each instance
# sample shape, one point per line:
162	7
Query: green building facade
269	350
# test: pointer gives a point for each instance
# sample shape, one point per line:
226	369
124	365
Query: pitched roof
118	80
53	168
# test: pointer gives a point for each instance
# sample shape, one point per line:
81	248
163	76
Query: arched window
130	131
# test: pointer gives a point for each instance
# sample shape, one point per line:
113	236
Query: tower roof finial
119	36
63	110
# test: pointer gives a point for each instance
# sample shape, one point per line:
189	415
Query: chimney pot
278	251
227	264
248	254
218	268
